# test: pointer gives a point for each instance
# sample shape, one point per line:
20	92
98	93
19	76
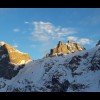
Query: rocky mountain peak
69	41
15	56
98	43
63	48
2	43
11	58
59	44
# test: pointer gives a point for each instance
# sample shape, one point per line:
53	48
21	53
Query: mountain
66	48
11	60
74	72
98	43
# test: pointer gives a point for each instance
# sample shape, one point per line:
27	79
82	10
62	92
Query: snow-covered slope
75	72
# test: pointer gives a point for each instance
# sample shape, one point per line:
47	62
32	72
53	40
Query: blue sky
37	30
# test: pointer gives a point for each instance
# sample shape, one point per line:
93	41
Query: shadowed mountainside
10	58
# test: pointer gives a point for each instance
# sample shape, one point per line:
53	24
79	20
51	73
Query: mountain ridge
66	73
14	53
74	72
11	59
64	48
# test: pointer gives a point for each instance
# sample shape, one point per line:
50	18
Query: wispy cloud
15	45
16	30
26	22
44	31
72	38
50	34
43	27
65	31
82	41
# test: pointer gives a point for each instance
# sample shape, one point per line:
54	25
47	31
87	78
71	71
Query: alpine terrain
11	60
67	68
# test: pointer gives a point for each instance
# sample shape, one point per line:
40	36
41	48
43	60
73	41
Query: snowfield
75	72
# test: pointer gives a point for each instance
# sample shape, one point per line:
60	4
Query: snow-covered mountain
74	72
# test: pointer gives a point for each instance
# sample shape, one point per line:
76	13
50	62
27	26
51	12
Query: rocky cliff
11	59
67	48
98	43
12	55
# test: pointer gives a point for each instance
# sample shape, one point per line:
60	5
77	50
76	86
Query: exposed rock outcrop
98	43
12	55
11	59
67	48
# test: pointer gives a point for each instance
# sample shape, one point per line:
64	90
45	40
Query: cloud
43	27
43	38
65	31
16	30
44	31
26	22
72	38
82	41
15	45
50	34
38	37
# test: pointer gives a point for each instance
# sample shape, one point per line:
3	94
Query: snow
37	74
2	43
3	56
22	62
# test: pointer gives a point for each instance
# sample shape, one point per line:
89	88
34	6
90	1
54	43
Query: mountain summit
67	48
12	55
11	58
98	43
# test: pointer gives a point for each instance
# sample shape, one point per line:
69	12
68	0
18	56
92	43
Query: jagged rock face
12	55
9	59
65	49
61	48
53	51
98	43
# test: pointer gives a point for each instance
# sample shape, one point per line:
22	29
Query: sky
36	30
